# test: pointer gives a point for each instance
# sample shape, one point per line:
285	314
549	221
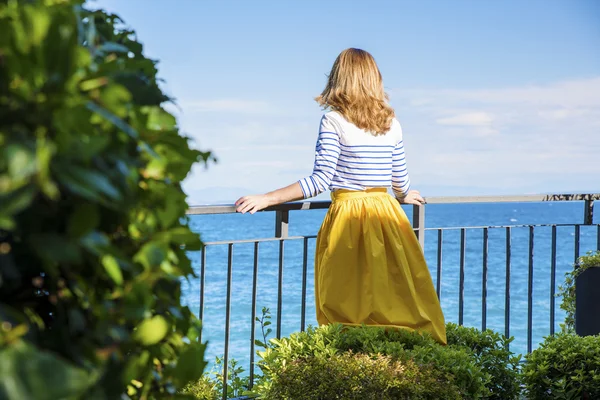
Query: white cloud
226	105
569	94
478	118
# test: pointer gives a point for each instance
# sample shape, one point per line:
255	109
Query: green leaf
32	373
159	119
83	220
87	183
94	83
113	269
151	255
116	121
21	161
44	153
136	365
39	22
55	248
190	364
17	201
152	331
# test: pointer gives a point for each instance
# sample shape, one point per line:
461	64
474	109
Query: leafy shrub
93	234
565	366
356	376
457	364
567	291
490	350
446	368
203	389
210	386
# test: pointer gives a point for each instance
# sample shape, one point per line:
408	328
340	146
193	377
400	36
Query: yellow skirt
370	269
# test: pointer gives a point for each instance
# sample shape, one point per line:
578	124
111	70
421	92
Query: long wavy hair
355	90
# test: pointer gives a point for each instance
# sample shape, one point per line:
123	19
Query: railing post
282	219
588	212
419	223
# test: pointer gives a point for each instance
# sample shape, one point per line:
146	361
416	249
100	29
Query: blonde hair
355	90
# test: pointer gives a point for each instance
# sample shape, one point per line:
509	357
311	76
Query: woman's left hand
252	204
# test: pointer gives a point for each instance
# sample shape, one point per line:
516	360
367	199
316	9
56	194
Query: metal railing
281	236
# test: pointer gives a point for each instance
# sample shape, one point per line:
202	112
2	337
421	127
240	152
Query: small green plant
204	388
210	385
565	366
264	321
490	350
567	290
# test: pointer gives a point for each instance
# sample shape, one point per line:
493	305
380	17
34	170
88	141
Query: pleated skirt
370	268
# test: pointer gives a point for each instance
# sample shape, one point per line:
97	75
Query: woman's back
348	157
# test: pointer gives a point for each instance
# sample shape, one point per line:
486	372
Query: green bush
565	366
490	350
356	376
447	368
93	233
457	364
567	291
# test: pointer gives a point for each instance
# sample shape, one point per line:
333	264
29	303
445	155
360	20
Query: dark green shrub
452	368
93	234
567	290
490	350
565	366
356	376
456	363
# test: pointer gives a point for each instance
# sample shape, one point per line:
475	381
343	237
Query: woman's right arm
327	152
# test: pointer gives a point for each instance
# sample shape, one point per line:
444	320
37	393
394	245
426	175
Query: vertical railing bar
280	289
577	239
588	212
598	238
304	273
202	276
461	294
253	320
282	220
439	264
530	292
419	223
227	318
507	285
484	281
553	281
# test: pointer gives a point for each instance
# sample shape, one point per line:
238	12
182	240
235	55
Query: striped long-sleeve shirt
347	157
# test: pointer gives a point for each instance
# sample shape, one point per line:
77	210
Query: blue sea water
228	227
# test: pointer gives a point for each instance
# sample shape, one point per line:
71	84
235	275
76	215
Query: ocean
226	227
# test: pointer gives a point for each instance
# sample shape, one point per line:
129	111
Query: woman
369	266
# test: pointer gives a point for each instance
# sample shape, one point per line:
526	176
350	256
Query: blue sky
495	97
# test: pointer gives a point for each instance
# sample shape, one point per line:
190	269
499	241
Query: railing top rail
320	205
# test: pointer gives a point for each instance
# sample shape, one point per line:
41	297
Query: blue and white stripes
350	158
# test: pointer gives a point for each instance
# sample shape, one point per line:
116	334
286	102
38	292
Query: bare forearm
283	195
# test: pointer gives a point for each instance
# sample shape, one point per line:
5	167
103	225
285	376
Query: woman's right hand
413	197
